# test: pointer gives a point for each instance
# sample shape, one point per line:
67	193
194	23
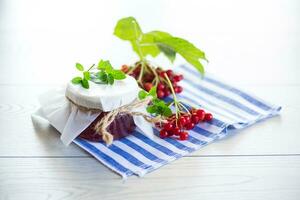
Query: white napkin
70	121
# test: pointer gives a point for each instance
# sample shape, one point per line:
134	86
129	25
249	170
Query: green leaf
85	83
76	80
104	65
147	46
152	92
87	75
142	94
167	112
170	45
102	76
128	29
152	109
118	74
79	67
110	79
168	52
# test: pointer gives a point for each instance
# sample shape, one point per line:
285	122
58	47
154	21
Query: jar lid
102	96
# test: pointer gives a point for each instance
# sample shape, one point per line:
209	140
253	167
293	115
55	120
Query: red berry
174	84
183	135
181	77
148	77
167	92
208	117
182	121
170	133
168	126
163	133
161	86
125	68
177	78
162	74
169	72
200	114
195	118
148	86
187	119
176	131
137	70
190	126
160	94
178	89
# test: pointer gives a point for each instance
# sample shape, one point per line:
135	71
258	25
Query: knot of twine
103	124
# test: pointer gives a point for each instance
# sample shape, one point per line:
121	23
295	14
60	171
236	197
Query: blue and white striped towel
232	109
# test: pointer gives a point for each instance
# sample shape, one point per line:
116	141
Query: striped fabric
232	109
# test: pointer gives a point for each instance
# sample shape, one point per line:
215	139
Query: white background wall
247	42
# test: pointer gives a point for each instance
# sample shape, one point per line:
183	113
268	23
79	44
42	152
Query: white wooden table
254	45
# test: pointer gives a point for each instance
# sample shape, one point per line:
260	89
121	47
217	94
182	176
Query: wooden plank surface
258	177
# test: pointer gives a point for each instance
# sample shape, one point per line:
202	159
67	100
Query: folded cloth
232	109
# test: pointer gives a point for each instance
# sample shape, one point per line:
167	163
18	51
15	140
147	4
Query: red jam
122	126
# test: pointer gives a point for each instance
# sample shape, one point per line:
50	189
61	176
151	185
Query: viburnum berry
162	74
176	131
178	89
161	86
183	135
168	126
125	68
195	119
200	114
148	86
178	78
163	133
187	119
208	117
167	92
190	126
182	121
169	72
160	94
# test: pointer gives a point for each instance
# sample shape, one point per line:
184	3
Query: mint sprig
84	80
155	42
157	106
106	74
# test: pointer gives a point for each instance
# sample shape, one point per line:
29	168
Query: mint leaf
76	80
79	67
152	109
87	75
102	76
142	94
152	92
128	29
167	112
104	65
110	79
85	83
118	74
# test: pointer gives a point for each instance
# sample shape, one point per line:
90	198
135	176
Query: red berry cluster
156	77
163	89
186	121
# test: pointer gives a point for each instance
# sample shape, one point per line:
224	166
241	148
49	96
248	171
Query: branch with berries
178	123
153	43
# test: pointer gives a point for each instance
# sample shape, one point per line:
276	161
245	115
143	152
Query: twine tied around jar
102	125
